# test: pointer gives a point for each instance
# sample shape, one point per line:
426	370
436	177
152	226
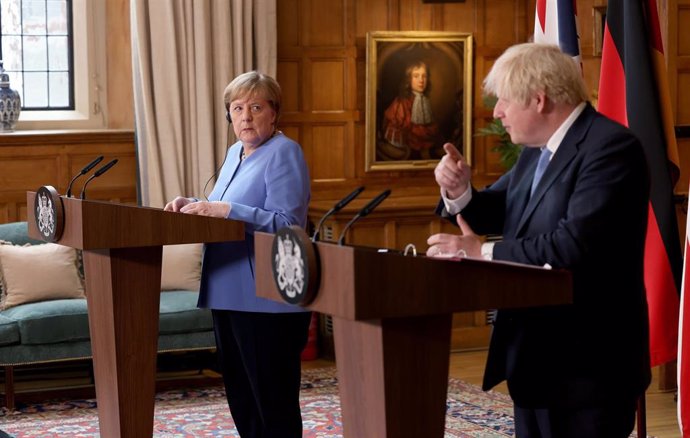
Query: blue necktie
541	167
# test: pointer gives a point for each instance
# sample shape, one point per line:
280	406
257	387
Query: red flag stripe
612	98
541	13
658	276
654	29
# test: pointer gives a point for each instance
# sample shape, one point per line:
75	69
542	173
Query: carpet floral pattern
203	412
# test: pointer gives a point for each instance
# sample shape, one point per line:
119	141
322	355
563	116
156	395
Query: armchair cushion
179	314
9	332
38	273
56	321
181	267
50	322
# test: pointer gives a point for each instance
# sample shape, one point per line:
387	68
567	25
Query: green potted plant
509	151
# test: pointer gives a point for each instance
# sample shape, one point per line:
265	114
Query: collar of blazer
560	161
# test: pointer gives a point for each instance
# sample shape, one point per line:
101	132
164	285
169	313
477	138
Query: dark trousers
615	420
260	361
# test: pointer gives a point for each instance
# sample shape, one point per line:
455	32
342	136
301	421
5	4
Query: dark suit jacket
588	215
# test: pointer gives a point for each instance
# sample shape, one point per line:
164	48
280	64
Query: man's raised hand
452	172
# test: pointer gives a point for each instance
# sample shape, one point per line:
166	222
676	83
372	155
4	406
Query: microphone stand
364	212
88	167
341	240
96	174
336	208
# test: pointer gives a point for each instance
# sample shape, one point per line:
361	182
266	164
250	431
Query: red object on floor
311	350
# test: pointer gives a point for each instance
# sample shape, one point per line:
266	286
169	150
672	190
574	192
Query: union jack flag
556	23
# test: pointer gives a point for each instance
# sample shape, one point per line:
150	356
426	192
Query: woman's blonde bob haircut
525	69
254	84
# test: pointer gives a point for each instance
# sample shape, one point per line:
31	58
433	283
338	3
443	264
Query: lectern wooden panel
122	248
392	321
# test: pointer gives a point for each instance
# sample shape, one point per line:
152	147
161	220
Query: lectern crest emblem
295	269
45	215
48	213
289	266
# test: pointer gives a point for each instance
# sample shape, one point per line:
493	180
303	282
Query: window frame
89	65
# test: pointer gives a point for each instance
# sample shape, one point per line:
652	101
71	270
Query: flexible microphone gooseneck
336	208
96	174
364	212
86	168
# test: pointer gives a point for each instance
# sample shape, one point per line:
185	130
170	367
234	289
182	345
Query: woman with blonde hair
264	183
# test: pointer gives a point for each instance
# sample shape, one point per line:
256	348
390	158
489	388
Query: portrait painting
419	96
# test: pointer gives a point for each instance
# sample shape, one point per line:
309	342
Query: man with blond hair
576	199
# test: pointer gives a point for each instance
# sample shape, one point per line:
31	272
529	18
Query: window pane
12	52
34	17
57	17
57	53
58	88
10	11
35	55
35	89
17	84
36	48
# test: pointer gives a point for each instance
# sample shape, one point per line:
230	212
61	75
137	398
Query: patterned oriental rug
203	412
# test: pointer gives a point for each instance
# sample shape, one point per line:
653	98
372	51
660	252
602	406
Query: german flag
633	90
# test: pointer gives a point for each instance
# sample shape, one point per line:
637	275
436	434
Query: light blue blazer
268	191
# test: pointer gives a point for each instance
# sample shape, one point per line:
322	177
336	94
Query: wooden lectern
122	248
392	323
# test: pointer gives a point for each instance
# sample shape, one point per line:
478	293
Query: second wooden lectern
392	318
122	248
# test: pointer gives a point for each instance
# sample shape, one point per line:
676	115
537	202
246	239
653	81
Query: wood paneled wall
322	56
322	68
678	58
31	160
678	62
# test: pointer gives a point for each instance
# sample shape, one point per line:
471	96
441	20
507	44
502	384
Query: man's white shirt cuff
488	250
455	206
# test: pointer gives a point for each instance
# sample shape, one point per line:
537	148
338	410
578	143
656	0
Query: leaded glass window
36	47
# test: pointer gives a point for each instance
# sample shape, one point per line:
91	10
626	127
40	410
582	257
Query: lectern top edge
361	283
100	224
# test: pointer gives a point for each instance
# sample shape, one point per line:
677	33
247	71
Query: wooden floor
469	367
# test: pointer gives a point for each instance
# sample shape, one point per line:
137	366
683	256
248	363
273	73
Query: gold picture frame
406	130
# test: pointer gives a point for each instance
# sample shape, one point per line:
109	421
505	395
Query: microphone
336	208
96	174
88	167
363	212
